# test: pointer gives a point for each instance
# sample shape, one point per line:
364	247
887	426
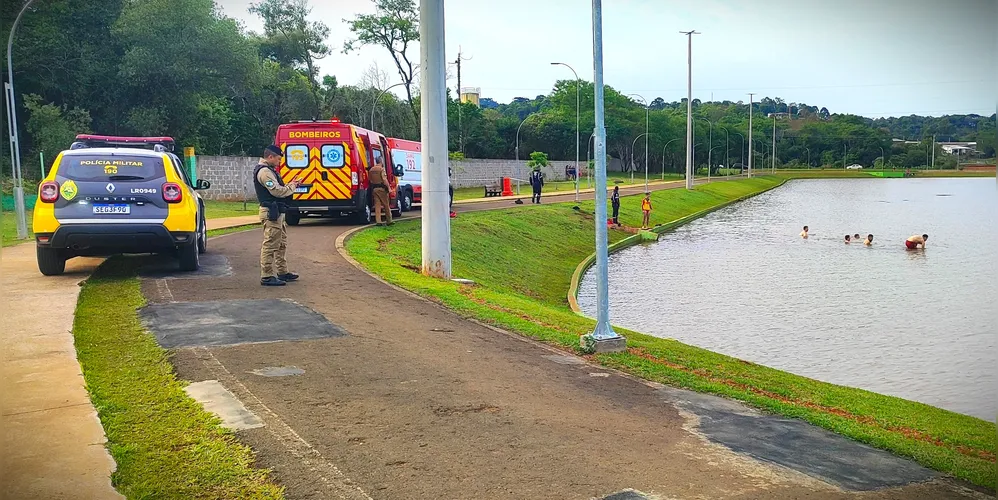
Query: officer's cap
273	149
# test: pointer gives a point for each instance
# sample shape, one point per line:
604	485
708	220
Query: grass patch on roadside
559	187
522	260
8	228
165	444
221	209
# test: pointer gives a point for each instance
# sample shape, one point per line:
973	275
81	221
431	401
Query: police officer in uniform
378	180
537	181
271	192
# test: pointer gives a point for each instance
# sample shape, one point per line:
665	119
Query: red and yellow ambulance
331	160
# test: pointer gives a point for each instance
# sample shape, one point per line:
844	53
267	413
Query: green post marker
191	163
41	162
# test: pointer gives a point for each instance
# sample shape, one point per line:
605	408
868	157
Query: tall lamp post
689	109
726	158
663	156
517	149
374	106
15	147
589	171
436	242
578	86
750	106
603	338
710	140
741	159
645	135
645	101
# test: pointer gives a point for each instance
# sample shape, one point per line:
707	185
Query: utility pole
750	133
603	338
436	245
933	151
460	123
689	109
774	143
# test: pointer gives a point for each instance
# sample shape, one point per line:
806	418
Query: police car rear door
107	187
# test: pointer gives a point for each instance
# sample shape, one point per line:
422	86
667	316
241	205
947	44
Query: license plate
104	209
303	189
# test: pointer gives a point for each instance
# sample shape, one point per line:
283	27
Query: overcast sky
869	57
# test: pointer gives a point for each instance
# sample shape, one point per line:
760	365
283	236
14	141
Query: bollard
507	187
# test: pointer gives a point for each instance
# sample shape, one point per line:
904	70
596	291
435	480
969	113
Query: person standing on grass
615	203
646	211
537	182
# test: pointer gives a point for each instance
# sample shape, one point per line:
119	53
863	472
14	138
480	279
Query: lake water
921	325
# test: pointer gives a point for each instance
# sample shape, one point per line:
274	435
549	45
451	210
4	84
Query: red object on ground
507	187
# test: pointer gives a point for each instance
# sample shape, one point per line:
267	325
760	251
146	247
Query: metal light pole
374	106
689	109
589	171
741	159
710	140
578	86
883	158
774	143
727	163
517	149
663	156
708	164
436	248
603	338
645	101
645	135
15	147
750	106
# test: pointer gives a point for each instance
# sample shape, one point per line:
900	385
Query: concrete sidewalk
53	442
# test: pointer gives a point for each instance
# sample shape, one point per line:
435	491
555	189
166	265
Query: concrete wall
231	176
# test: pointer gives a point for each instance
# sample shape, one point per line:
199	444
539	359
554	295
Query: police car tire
51	261
188	257
202	237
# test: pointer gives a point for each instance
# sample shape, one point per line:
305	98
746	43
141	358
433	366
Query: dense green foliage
180	67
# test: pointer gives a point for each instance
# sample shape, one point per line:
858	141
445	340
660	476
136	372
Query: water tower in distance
471	94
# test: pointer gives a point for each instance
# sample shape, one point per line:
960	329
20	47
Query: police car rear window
116	167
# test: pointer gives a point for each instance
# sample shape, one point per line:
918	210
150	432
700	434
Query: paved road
416	402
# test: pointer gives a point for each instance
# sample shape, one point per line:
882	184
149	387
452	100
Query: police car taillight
49	192
172	193
353	178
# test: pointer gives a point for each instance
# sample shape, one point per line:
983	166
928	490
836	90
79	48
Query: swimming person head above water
847	239
869	240
803	234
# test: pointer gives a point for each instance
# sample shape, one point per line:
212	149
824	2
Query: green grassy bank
164	443
522	261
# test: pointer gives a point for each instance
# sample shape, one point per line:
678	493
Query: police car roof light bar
91	140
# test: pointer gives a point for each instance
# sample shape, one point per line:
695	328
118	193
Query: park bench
493	188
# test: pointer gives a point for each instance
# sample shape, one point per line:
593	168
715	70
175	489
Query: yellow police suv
109	195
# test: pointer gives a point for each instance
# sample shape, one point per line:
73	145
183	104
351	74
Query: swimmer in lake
869	240
913	242
856	237
803	234
847	239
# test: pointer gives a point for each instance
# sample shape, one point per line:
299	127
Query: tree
53	128
293	40
394	26
538	159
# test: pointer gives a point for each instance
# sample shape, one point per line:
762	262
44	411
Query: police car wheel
188	256
51	261
202	237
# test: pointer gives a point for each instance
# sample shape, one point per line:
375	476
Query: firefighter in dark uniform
271	192
537	181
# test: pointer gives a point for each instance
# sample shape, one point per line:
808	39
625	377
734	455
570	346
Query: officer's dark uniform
537	181
271	192
615	203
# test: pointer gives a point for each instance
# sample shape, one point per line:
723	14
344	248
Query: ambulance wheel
406	201
363	217
292	217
